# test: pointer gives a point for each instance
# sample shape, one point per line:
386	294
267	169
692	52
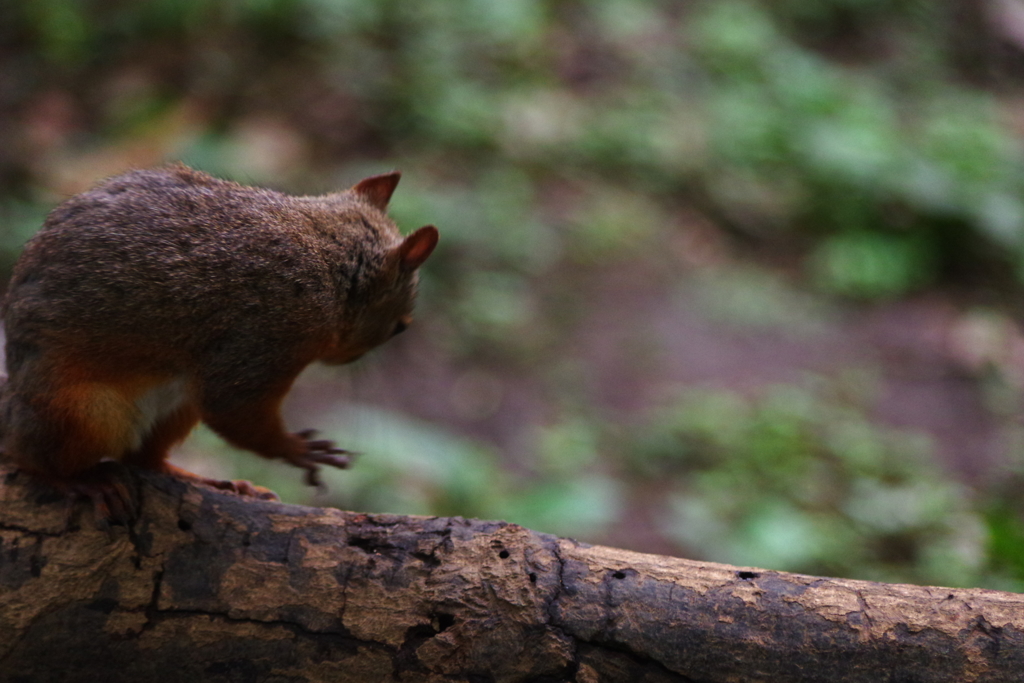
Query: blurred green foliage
800	477
552	141
896	173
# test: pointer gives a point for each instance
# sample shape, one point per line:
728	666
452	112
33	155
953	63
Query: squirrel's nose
401	325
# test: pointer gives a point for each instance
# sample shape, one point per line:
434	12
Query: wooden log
207	586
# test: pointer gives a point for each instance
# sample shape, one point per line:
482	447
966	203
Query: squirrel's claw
241	487
250	490
320	452
107	486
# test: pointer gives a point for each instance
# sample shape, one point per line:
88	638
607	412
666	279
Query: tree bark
207	586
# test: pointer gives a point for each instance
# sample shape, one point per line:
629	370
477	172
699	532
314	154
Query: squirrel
161	298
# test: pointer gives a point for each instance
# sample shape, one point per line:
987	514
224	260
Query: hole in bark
533	578
619	575
445	622
405	658
47	497
747	576
105	605
184	525
503	554
365	544
427	559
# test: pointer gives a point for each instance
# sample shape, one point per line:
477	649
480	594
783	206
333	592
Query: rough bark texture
210	587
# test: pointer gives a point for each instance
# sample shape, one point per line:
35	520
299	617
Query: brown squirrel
164	297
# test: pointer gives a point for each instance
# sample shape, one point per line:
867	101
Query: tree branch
207	586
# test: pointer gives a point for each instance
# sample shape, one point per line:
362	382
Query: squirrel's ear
378	189
415	249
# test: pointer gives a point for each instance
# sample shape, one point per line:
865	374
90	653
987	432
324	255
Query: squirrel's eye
401	326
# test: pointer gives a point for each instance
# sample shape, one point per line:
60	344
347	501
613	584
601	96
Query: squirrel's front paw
318	452
243	488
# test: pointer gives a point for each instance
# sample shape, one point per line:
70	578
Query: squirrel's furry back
221	276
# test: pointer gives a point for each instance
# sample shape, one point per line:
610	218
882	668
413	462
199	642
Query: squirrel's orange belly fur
124	418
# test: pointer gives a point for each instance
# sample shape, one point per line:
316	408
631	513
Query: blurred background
733	280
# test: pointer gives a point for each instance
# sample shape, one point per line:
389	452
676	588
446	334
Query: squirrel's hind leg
173	429
63	436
